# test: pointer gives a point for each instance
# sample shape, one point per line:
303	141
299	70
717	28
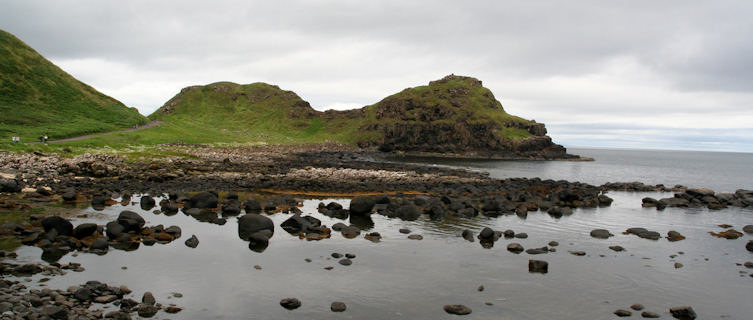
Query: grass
37	97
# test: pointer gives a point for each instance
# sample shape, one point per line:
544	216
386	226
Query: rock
336	255
252	206
252	223
674	236
84	230
637	307
578	253
69	195
486	234
467	235
10	185
148	299
105	299
617	248
337	306
509	234
748	264
362	205
100	244
678	265
515	247
623	313
290	303
373	237
553	243
408	212
114	230
480	288
457	309
521	235
404	231
649	202
62	226
297	224
172	309
131	221
749	245
174	231
650	315
147	311
748	229
416	237
204	200
350	256
601	234
192	242
83	294
730	234
683	313
538	266
231	207
169	208
147	203
345	262
55	312
538	250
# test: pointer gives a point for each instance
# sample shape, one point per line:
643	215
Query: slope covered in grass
37	97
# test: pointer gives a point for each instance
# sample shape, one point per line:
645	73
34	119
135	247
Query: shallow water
401	278
720	171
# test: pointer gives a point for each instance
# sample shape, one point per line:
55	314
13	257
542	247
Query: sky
616	74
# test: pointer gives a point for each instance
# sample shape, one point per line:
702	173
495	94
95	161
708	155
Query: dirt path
146	126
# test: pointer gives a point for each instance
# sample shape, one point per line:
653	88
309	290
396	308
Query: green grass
37	97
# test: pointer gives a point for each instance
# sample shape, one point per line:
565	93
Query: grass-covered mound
37	97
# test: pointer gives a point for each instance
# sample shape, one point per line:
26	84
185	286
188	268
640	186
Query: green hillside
37	97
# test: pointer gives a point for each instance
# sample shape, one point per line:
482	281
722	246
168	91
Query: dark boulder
515	247
62	226
538	250
674	236
231	207
252	223
487	234
623	313
69	195
204	200
252	206
649	202
297	224
748	229
192	242
113	229
650	315
457	309
147	203
362	205
84	230
338	306
467	235
749	245
408	212
538	266
601	234
169	208
683	313
83	294
290	303
99	245
10	185
131	221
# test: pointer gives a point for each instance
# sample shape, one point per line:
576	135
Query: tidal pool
399	278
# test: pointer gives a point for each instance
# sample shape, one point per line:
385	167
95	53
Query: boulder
290	303
252	206
457	309
748	229
204	200
538	266
338	306
62	226
623	313
362	205
649	202
84	230
674	236
99	245
683	313
148	299
486	234
297	224
408	212
515	247
169	208
601	234
467	235
192	242
131	221
147	203
113	229
650	315
252	223
10	185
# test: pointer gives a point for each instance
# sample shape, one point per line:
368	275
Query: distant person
41	138
45	138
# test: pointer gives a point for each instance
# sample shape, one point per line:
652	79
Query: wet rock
541	250
147	203
649	202
674	236
748	264
678	265
623	313
404	231
174	231
204	200
521	235
131	221
252	206
62	226
408	212
538	266
10	185
231	207
683	313
486	234
617	248
345	262
252	223
192	242
416	237
100	244
147	311
467	235
337	306
55	312
457	309
515	247
650	315
290	303
558	212
350	256
748	229
643	233
69	195
749	245
84	230
601	234
172	309
508	234
83	294
578	253
148	299
553	243
297	224
362	205
336	255
373	236
730	234
169	208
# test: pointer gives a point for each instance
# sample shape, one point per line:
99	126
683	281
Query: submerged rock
290	303
601	234
338	306
252	223
683	313
538	266
457	309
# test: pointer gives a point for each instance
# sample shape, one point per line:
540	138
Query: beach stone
467	235
649	202
650	315
62	226
404	231
192	242
538	250
345	262
252	223
623	313
350	256
637	307
336	255
480	288
290	303
172	309
521	235
84	230
408	212
457	309
148	298
486	234
749	246
416	237
508	233
147	203
55	312
204	200
748	229
578	253
515	247
730	234
538	266
338	306
83	294
553	243
683	313
617	248
361	205
252	206
106	298
131	221
748	264
678	265
601	234
147	311
674	236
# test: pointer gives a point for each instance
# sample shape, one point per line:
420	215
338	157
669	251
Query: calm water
400	278
720	171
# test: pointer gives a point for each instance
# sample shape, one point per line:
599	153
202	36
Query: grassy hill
37	97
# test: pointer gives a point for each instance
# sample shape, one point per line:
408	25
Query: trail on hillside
142	127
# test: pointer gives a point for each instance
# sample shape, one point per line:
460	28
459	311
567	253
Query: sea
401	278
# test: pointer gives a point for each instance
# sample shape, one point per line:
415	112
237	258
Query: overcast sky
629	74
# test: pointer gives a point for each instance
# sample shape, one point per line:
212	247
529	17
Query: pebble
637	307
457	309
338	306
345	262
623	313
290	303
416	237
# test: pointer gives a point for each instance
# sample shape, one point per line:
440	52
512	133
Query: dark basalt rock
408	212
131	221
338	306
748	229
749	245
467	235
10	185
252	223
231	207
192	242
361	205
113	229
623	313
674	236
147	203
252	206
515	247
204	200
84	230
62	226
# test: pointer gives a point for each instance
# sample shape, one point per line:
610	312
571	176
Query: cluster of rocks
25	270
697	198
636	307
57	236
644	233
636	186
77	302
